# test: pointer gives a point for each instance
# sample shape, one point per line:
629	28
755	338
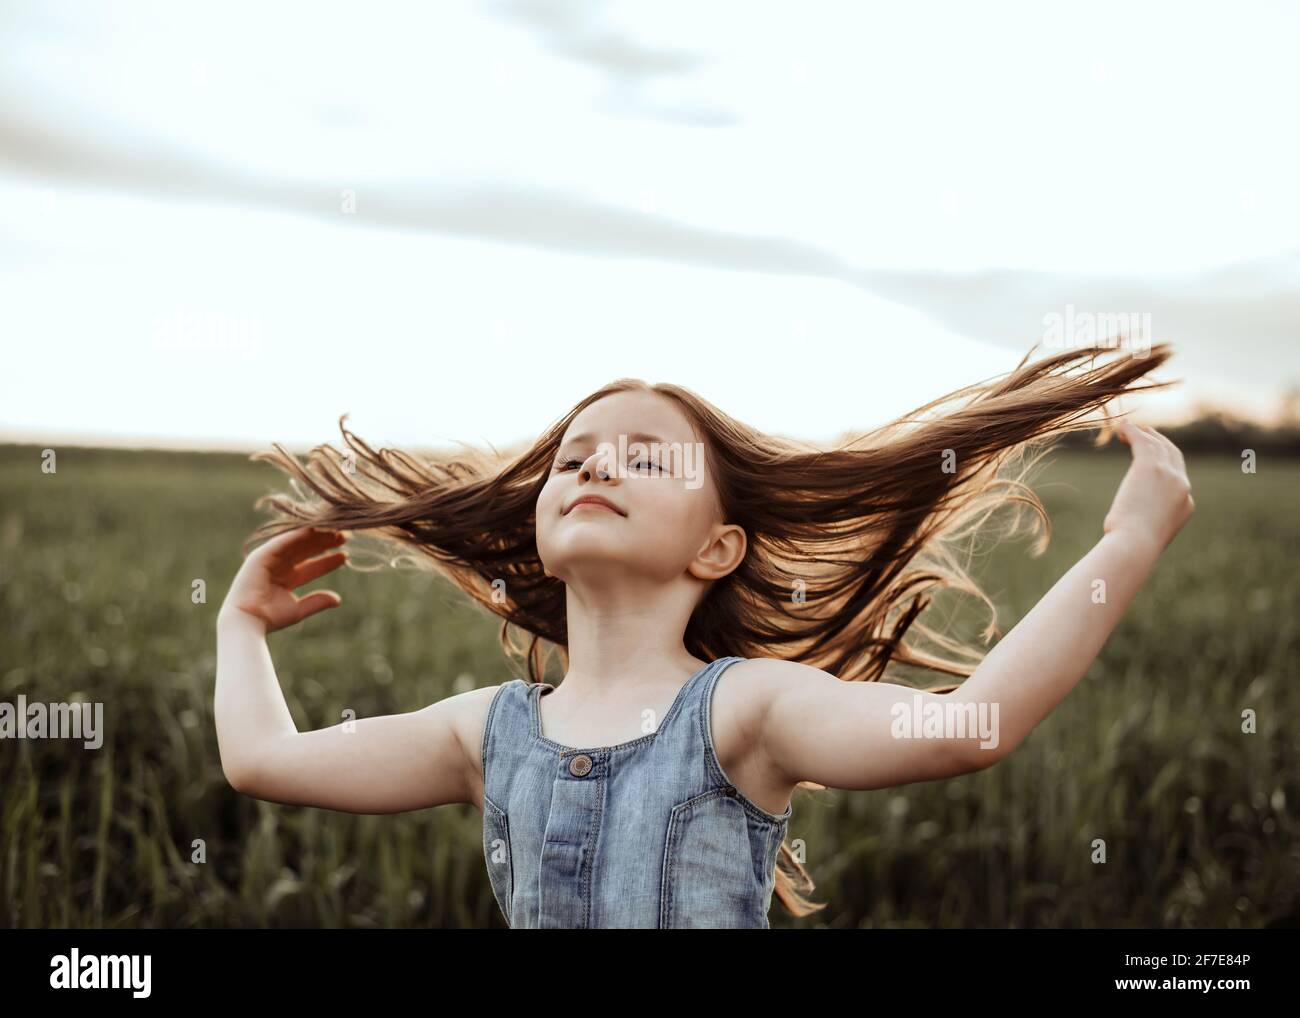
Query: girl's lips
594	505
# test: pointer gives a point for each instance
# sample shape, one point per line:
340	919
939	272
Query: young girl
725	605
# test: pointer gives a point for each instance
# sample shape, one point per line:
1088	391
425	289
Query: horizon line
14	435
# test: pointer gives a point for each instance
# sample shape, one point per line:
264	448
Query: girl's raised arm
874	735
371	765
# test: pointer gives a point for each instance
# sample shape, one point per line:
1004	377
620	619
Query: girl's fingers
1148	442
1175	454
317	601
290	548
307	571
1163	446
277	545
1141	444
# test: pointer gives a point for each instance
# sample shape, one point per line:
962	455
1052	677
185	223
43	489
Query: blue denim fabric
648	834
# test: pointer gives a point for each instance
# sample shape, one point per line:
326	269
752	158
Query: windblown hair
846	544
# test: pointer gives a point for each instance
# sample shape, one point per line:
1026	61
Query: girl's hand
1154	499
263	587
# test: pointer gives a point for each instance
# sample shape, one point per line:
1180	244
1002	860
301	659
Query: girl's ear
724	551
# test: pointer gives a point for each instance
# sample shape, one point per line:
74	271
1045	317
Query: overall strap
506	732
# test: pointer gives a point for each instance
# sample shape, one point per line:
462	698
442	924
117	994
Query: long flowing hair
848	543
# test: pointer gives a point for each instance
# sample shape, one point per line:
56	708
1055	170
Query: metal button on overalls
580	765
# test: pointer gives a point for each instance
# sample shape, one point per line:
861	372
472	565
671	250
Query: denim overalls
648	833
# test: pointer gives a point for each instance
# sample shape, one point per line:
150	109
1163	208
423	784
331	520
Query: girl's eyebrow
636	436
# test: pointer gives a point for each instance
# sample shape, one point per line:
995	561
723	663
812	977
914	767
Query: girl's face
638	452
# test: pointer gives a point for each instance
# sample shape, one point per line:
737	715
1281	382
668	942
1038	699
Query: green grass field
97	566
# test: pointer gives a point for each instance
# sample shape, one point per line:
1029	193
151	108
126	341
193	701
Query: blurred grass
97	566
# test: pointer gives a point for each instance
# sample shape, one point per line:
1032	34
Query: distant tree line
1217	432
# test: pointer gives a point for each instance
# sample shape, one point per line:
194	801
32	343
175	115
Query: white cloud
817	223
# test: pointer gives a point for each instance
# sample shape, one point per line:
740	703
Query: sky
227	225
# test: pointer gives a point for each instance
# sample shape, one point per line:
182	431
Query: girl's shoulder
742	702
764	678
467	715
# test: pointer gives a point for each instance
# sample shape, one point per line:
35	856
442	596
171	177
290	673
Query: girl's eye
565	464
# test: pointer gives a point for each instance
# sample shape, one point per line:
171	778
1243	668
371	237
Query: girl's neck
623	641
